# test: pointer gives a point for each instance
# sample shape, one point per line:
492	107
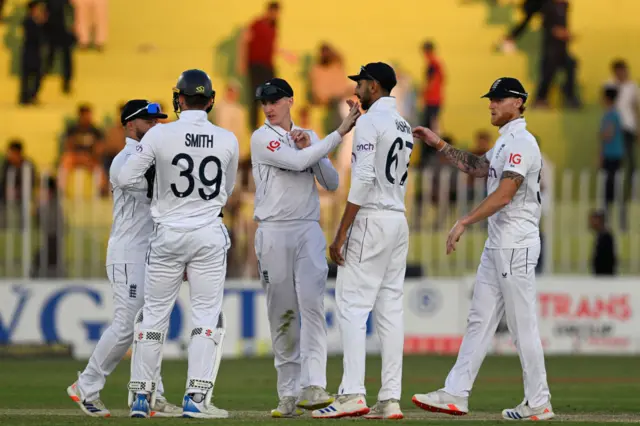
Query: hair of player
196	101
274	5
522	108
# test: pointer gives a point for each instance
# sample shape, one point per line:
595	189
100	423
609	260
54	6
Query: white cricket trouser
127	282
505	284
372	278
204	253
293	269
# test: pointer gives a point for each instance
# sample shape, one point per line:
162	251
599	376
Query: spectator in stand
257	49
329	85
114	140
530	9
432	97
91	16
229	114
612	142
59	38
31	64
48	259
604	260
482	145
83	147
628	107
12	175
555	54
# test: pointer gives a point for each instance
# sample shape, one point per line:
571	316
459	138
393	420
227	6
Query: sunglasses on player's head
151	108
364	72
268	91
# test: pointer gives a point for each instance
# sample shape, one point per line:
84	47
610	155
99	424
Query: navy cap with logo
140	108
377	71
506	87
273	90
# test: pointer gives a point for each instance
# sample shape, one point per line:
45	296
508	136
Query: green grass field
586	390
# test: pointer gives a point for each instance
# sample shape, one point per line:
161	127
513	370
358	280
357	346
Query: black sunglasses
365	73
268	91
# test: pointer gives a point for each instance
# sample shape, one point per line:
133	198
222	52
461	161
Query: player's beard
365	102
140	134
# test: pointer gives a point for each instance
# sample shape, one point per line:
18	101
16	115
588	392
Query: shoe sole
279	415
161	414
317	406
138	415
203	416
359	413
74	397
391	417
452	410
543	416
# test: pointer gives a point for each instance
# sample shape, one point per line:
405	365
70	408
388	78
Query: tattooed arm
509	184
466	161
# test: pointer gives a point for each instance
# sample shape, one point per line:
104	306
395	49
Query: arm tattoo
515	177
466	161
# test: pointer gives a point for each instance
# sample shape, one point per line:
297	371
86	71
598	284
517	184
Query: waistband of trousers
284	223
369	212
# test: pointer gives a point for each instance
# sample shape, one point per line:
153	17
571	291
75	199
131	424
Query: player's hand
335	249
428	136
351	118
301	138
454	236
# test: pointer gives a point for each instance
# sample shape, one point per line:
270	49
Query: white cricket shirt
382	146
517	225
196	165
132	224
285	175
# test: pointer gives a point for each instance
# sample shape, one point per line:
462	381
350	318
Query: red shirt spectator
433	93
262	40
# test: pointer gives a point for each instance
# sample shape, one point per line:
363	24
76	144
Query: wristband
440	145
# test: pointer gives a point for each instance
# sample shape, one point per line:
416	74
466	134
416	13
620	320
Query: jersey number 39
212	184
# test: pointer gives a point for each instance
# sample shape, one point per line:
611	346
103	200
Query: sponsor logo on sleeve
515	159
273	146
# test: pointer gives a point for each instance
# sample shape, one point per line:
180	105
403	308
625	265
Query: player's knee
207	332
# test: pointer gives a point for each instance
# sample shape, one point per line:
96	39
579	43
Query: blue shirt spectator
611	134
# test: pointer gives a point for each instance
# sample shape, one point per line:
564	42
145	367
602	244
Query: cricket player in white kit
196	165
290	245
505	282
371	248
130	231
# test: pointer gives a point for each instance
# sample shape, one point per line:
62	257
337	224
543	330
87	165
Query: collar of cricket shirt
193	115
513	125
279	130
130	142
384	103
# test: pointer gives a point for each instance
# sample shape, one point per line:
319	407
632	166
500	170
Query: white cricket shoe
389	409
200	410
314	398
524	412
287	408
93	408
442	402
164	408
353	405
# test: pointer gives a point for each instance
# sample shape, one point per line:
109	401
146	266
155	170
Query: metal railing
48	232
